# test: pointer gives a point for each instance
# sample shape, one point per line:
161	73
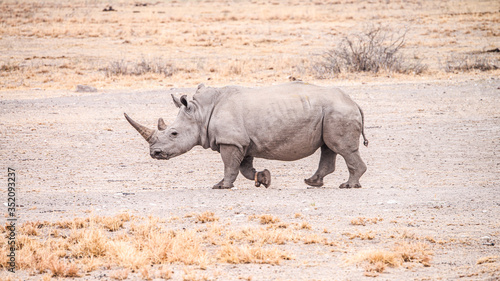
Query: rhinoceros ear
184	100
176	100
161	124
201	86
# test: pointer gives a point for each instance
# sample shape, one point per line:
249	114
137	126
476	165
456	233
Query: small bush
373	50
9	67
463	63
144	66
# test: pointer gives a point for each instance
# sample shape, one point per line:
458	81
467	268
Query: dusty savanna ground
92	204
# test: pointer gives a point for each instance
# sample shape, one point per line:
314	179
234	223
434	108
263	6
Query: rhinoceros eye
174	134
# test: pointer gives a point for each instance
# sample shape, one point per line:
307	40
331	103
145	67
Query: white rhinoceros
284	122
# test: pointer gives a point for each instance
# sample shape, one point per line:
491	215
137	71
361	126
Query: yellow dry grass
488	259
266	219
206	217
54	45
251	254
364	221
133	244
376	260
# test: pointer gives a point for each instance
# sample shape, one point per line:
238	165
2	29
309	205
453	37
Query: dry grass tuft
141	67
465	63
374	269
90	242
251	254
304	225
385	257
314	239
489	259
364	221
369	235
75	223
206	217
268	219
415	252
60	268
261	236
110	223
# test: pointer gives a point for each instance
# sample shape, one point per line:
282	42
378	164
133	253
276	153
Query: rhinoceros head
178	138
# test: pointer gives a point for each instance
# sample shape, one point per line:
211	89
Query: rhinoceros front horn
145	132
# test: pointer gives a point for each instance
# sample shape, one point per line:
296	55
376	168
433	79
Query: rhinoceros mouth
163	157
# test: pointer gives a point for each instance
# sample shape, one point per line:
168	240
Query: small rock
487	241
109	9
85	89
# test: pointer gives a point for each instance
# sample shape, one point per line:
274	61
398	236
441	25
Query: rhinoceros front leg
232	157
249	172
326	166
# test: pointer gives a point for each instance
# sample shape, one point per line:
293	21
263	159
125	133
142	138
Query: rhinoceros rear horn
145	132
161	124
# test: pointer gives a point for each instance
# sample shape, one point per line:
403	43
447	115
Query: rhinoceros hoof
314	181
220	185
264	178
347	185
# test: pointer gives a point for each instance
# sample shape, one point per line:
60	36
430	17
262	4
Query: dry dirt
432	178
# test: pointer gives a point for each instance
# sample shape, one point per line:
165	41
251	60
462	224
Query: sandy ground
433	164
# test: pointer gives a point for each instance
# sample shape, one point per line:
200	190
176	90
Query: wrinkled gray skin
284	122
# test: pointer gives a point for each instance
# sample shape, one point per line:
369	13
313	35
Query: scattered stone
487	241
85	89
109	8
292	78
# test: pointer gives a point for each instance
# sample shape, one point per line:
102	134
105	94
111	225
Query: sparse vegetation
251	254
375	49
206	217
162	43
103	240
141	242
364	221
141	67
464	63
488	259
414	252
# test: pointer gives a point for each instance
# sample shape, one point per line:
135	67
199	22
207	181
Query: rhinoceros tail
365	141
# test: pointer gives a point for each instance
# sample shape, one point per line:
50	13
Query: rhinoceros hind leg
356	168
264	178
326	166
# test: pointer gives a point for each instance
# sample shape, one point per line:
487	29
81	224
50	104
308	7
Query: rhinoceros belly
286	140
